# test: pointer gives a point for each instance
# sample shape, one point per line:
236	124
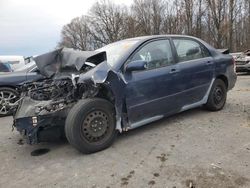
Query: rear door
196	70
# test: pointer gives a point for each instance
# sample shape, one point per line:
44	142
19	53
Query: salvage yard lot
195	148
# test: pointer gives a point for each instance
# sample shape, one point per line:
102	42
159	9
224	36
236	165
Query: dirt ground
197	148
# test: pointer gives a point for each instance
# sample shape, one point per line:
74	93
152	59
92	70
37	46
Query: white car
10	63
242	60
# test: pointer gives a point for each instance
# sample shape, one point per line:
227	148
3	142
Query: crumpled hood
66	59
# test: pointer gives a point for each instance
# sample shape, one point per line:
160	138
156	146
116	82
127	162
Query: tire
90	125
217	96
7	96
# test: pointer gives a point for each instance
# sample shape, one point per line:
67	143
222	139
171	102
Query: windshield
27	67
116	50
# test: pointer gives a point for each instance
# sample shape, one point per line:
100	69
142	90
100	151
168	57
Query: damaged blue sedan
90	96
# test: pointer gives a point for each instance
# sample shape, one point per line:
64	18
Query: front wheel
217	97
90	125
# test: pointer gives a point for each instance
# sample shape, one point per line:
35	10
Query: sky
32	27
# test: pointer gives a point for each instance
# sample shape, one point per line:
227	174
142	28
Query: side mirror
136	65
193	51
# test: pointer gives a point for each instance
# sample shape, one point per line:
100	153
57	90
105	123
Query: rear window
189	50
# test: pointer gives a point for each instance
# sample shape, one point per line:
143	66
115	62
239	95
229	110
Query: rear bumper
232	80
45	128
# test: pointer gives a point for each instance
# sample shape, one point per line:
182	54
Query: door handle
173	70
209	62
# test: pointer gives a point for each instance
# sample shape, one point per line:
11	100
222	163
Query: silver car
242	61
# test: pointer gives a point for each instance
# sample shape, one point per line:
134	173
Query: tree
107	22
76	34
188	12
149	14
199	15
222	23
217	15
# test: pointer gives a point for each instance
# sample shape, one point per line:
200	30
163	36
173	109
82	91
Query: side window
157	54
189	50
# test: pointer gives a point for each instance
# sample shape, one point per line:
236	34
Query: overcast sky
31	27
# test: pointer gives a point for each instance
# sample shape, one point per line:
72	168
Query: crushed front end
43	106
41	128
43	109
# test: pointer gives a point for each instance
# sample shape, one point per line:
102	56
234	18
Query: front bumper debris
40	128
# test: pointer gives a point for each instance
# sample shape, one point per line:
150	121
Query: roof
159	36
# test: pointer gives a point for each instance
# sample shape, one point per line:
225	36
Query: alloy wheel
7	99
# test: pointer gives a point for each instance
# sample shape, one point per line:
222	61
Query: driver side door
150	93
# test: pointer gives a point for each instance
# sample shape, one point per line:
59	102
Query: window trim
191	39
128	60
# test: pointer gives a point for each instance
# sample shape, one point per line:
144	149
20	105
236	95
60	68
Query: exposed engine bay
56	94
49	90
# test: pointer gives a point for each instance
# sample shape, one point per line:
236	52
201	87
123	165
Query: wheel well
121	111
8	86
107	94
224	79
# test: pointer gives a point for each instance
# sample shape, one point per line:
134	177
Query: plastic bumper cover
38	128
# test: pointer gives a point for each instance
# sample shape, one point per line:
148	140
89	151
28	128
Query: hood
13	78
12	74
65	60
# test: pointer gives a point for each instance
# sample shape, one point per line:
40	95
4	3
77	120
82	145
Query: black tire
217	96
90	125
3	100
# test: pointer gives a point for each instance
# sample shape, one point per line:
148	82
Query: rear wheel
218	95
8	97
90	125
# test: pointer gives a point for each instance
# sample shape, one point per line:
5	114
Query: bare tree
174	20
217	11
199	16
130	27
149	14
107	22
246	22
188	18
222	23
76	34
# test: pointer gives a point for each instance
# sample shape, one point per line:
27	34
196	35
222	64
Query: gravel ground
196	148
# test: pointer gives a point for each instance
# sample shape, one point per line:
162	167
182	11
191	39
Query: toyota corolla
92	95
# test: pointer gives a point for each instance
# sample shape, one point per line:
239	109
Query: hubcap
95	126
7	98
218	95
